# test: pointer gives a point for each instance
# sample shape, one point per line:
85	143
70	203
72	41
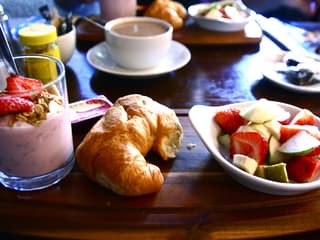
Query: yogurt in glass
38	154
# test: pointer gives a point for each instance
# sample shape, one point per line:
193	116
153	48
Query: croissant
170	11
112	153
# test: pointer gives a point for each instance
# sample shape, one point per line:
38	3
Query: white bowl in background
220	24
67	44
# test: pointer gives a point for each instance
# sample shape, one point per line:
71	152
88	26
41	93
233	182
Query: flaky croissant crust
168	10
112	153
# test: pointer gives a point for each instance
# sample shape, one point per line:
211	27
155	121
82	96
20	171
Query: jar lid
37	34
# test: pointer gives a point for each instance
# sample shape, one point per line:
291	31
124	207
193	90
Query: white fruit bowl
201	118
221	24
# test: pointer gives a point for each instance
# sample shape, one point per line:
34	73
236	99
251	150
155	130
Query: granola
41	108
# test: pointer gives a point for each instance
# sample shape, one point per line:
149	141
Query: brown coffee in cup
139	28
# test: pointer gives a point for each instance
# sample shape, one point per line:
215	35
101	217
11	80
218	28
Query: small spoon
93	22
65	24
7	53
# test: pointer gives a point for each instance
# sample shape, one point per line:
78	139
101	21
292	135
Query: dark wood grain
215	75
198	200
190	33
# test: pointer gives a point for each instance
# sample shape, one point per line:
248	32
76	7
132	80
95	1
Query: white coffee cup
138	42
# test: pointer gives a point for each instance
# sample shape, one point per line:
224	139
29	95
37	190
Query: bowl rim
67	35
110	24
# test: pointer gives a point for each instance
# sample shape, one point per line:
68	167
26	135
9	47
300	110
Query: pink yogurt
28	151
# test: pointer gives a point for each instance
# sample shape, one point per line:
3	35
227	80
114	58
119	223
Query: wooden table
198	200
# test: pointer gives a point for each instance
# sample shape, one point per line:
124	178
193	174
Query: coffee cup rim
110	24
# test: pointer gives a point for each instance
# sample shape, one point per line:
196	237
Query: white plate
271	64
99	57
202	120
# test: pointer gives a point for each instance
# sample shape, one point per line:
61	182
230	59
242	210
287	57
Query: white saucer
99	57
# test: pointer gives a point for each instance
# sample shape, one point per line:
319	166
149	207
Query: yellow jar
40	39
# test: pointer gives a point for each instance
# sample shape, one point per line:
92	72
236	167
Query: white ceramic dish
202	120
270	66
99	57
67	44
222	25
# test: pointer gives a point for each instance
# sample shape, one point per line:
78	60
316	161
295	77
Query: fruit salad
224	10
265	140
35	131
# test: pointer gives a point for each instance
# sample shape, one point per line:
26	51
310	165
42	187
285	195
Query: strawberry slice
18	84
223	13
315	152
304	117
287	131
12	104
284	118
251	144
229	120
303	169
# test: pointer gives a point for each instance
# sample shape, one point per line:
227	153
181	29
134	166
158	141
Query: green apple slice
262	111
274	128
299	144
260	171
245	163
275	156
224	140
255	127
277	172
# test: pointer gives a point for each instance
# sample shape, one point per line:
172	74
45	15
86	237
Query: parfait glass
36	144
